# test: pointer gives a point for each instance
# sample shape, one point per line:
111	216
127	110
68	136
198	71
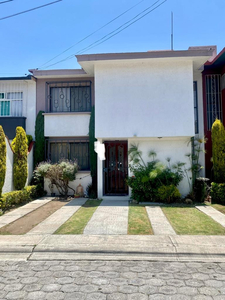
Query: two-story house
153	99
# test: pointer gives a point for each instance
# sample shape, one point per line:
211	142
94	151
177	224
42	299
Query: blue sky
30	40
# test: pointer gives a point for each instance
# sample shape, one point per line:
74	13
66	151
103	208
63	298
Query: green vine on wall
2	159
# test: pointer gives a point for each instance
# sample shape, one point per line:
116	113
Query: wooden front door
115	168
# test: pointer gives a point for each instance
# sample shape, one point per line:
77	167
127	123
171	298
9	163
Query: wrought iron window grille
71	149
69	96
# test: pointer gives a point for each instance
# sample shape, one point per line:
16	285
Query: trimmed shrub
218	151
2	159
29	140
39	150
11	199
168	194
93	154
218	192
20	169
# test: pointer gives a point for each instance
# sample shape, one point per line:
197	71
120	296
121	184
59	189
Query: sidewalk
116	247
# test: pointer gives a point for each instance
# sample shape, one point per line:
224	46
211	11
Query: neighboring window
76	98
213	99
11	104
72	150
195	105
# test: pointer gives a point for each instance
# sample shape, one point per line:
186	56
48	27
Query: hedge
39	149
11	199
218	193
2	159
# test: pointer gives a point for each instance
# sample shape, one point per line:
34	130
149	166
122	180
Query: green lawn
138	222
219	207
77	223
190	221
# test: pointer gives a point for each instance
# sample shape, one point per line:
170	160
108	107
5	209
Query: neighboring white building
152	99
17	108
17	104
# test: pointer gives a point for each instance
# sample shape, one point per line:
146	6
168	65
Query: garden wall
84	181
8	185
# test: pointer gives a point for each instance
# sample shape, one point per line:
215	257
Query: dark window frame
68	142
66	84
195	91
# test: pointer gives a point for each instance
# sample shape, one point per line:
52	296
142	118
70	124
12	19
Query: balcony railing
70	96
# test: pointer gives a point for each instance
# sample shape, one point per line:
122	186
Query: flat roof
28	77
191	52
57	73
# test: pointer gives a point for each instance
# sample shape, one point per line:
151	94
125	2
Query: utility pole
171	30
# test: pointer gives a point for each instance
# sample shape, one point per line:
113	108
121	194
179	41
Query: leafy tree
2	159
218	151
39	150
20	169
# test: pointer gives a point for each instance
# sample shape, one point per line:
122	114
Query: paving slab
53	222
213	213
23	210
159	222
111	217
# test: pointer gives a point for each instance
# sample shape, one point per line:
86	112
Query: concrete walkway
160	224
53	222
213	213
23	210
111	217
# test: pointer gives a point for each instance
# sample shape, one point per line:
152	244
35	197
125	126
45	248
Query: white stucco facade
66	124
28	88
151	98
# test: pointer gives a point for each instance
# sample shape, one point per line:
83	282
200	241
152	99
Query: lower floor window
69	149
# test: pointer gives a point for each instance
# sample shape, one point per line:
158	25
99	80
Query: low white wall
66	125
8	185
83	178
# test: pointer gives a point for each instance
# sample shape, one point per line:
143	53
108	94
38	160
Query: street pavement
111	280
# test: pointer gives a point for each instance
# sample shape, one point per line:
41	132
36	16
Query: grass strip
79	220
219	207
138	221
190	221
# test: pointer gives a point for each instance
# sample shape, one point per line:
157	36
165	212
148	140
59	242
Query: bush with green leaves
218	193
218	151
8	200
149	177
29	140
2	159
168	193
59	174
20	168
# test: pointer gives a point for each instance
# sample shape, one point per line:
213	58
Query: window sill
84	171
67	113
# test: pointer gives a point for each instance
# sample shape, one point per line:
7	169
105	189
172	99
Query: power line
93	33
25	11
6	1
113	33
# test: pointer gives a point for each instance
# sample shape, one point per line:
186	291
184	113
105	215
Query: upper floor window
195	105
213	99
69	96
11	104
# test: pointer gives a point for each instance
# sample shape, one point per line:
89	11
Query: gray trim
28	77
150	54
63	72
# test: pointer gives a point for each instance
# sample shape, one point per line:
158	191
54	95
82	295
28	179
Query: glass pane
81	98
17	108
59	151
60	99
80	153
15	95
2	95
5	108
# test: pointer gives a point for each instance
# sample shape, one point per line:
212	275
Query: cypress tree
39	150
20	169
2	159
218	151
93	154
